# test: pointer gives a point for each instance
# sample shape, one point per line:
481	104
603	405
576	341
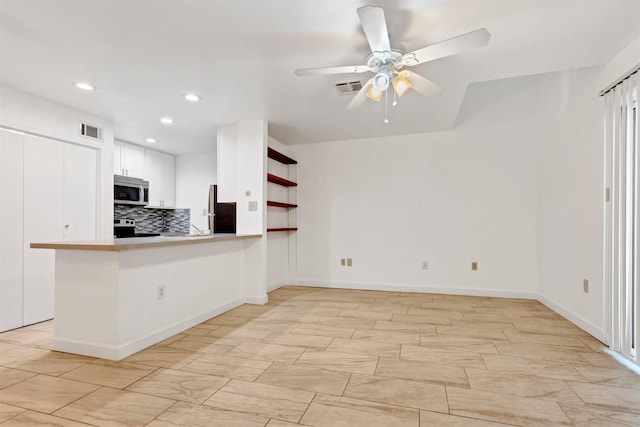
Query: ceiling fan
387	63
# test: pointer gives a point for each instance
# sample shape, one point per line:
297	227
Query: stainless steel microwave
130	191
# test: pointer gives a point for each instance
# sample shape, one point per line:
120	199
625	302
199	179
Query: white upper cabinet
118	167
128	159
160	170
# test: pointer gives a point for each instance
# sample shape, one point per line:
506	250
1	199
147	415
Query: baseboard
591	329
259	300
583	324
275	286
416	288
85	348
120	352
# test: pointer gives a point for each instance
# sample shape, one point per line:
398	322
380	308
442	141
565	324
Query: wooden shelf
269	230
280	181
280	204
279	157
290	171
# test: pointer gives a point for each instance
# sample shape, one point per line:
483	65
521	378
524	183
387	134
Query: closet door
79	189
43	222
11	155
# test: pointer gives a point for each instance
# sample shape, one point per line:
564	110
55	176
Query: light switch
253	205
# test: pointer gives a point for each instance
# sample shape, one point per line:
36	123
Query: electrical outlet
253	205
474	265
585	286
162	291
349	262
425	265
343	262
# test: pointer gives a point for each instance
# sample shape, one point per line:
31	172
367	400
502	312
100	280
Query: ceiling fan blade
422	85
468	41
346	69
375	28
361	96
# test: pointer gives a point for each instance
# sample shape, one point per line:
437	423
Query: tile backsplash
155	220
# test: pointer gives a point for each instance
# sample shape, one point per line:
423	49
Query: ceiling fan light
400	85
374	93
381	81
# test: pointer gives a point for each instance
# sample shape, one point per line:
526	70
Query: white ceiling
240	56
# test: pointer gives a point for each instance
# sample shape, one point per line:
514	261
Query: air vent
90	131
347	88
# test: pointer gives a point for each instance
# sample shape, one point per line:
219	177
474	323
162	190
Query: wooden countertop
123	244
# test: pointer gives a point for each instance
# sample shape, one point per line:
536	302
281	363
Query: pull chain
386	106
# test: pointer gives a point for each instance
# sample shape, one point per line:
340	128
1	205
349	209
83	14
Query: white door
79	192
43	219
11	225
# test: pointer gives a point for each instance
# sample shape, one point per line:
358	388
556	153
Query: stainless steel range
127	228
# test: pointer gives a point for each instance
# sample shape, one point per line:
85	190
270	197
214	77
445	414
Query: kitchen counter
115	297
124	244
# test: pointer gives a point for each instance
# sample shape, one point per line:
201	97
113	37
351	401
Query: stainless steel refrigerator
222	216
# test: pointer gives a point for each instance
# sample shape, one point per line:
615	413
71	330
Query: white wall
38	116
571	202
250	176
516	186
571	192
194	174
241	158
448	198
624	61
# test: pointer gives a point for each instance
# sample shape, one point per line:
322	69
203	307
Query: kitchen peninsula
118	296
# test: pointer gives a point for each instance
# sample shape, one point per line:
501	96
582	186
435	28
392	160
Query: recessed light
84	86
151	140
192	97
166	120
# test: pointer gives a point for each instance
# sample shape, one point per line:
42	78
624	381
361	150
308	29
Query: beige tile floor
322	357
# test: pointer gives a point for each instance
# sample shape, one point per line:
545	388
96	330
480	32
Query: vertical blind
622	224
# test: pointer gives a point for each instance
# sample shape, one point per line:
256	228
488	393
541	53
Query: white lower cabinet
47	193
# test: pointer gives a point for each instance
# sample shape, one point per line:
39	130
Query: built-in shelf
281	205
279	157
280	181
291	167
